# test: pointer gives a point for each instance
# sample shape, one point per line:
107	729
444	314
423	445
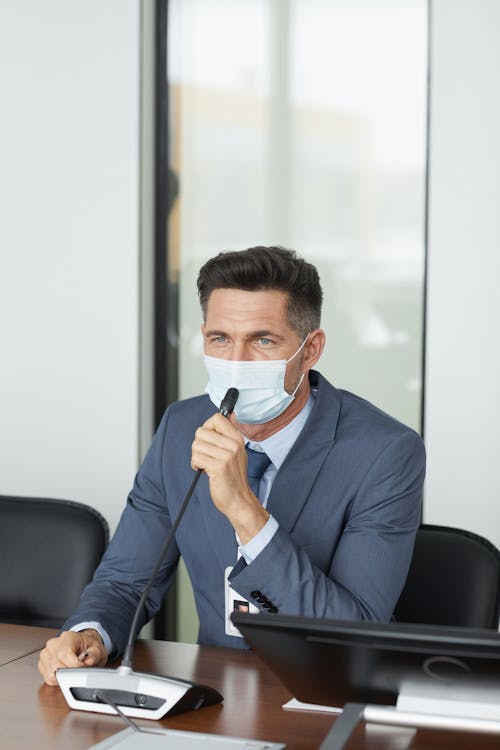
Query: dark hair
265	268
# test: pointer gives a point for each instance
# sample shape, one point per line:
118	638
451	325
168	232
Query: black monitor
418	668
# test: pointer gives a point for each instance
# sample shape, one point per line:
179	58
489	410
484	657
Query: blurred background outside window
303	123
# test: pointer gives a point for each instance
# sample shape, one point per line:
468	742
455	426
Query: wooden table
17	641
33	715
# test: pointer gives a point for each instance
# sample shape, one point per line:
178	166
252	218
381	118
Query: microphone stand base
146	696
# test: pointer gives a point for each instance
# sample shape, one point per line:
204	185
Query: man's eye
264	341
219	340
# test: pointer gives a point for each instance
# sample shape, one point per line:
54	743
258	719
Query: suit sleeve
368	566
113	594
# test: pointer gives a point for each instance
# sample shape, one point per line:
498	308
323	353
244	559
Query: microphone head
229	401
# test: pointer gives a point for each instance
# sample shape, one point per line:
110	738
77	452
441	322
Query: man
328	528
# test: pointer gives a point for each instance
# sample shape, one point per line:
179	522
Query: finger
208	441
44	670
223	426
50	679
208	446
48	670
58	652
210	457
216	432
92	656
66	656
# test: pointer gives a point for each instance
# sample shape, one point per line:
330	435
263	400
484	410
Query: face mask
261	384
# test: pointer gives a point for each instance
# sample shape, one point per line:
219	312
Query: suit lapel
299	471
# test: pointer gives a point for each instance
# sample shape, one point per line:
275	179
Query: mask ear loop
292	357
298	350
298	384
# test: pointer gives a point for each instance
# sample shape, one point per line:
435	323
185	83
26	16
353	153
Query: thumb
92	656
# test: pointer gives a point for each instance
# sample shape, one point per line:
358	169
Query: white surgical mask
261	384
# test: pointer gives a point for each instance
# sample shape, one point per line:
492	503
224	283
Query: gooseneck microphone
229	402
226	408
138	694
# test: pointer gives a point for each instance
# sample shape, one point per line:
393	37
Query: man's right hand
65	650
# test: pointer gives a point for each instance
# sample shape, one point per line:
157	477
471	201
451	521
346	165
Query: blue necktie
257	464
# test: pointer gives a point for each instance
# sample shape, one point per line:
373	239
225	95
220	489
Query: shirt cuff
254	547
95	626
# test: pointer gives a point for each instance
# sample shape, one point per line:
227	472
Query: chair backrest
454	579
49	550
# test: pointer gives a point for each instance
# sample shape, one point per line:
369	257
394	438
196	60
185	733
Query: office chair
49	550
454	579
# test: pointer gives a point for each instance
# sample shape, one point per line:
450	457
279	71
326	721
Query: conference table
34	715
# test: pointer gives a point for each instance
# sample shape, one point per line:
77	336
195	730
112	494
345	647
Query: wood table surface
19	640
34	715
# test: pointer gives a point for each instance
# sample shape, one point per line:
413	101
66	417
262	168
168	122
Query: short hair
267	268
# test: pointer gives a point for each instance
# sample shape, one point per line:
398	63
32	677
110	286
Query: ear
313	348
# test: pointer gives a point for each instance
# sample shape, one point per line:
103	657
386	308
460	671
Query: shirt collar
278	445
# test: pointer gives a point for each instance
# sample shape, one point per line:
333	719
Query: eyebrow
253	334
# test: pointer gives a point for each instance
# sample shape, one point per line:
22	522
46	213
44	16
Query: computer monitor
425	670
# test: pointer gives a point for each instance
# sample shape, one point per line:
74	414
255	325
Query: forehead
262	309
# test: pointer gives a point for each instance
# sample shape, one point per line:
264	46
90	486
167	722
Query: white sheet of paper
296	705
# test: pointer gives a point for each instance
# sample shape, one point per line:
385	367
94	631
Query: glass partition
303	123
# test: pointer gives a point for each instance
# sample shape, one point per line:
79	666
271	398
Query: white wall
69	248
462	410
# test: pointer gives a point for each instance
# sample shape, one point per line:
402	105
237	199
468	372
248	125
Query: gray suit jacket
347	499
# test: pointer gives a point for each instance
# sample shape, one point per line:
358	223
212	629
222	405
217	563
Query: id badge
234	603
